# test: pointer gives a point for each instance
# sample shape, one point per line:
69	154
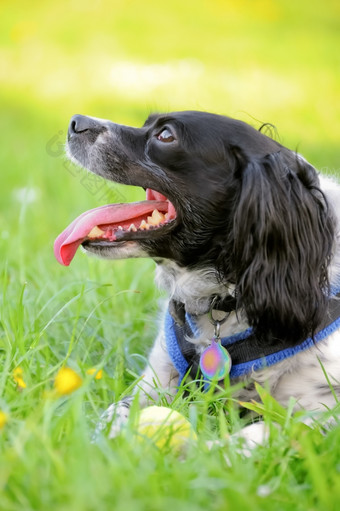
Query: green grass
261	61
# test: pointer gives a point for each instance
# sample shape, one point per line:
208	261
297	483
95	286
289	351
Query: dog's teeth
95	233
156	218
144	226
132	228
120	228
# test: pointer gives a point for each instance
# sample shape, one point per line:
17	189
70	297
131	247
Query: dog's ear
282	240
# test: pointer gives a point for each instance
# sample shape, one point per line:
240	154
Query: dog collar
226	304
246	353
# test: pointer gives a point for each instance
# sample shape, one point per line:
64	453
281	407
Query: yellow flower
98	373
3	419
67	381
18	377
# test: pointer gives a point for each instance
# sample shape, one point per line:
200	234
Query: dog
245	236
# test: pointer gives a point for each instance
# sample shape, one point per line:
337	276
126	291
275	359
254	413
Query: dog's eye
166	136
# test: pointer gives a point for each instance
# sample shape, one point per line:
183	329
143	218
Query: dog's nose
78	124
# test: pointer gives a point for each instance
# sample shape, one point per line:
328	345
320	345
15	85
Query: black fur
279	248
246	206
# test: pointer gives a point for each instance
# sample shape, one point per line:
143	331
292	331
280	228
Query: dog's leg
116	414
159	380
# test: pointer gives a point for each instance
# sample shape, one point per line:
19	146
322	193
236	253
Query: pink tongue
67	243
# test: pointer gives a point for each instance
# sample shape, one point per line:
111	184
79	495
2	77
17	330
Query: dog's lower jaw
115	250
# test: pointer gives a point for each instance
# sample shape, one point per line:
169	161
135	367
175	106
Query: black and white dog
243	231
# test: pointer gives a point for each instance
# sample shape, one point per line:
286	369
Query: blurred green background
274	61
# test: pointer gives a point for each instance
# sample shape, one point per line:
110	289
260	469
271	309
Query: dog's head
218	194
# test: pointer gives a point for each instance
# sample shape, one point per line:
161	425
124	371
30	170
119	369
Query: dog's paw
243	442
113	419
250	437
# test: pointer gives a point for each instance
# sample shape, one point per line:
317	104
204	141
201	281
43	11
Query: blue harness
243	344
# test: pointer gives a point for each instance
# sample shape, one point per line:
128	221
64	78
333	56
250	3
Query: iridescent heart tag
215	361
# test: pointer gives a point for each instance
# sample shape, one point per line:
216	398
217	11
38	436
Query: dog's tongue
67	243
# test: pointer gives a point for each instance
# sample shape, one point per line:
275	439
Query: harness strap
246	352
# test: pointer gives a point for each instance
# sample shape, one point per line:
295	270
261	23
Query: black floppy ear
283	235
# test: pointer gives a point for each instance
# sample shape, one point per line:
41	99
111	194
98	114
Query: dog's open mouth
115	223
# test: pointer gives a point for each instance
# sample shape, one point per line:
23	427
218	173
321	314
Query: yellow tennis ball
166	428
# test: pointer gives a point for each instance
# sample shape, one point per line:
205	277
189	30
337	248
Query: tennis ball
166	428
